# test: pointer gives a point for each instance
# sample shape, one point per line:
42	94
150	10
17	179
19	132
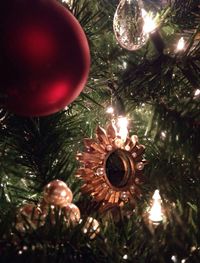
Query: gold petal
85	172
102	136
92	157
112	198
111	131
101	194
93	166
97	182
88	179
117	194
98	147
129	144
86	188
97	189
105	207
88	142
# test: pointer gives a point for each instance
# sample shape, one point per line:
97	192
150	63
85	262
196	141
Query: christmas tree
145	72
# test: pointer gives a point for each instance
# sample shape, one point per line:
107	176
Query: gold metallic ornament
29	215
112	168
57	193
71	214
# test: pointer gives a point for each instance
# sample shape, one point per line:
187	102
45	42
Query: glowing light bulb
181	44
123	130
149	23
174	259
110	110
156	214
197	93
69	2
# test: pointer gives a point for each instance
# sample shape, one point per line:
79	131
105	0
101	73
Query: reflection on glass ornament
128	25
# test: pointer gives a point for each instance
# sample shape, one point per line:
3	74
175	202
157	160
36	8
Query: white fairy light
122	123
125	257
197	93
155	213
180	44
67	1
174	258
110	110
163	135
124	64
149	23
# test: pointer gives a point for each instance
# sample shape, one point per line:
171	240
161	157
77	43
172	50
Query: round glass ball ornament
29	215
128	25
72	214
44	57
57	193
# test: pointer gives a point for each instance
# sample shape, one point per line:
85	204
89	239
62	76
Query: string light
197	93
125	257
110	110
122	123
180	44
68	2
174	258
149	23
124	64
155	213
163	135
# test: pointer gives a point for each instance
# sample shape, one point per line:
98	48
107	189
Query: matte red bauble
44	56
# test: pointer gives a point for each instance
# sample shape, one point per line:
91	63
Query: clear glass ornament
128	25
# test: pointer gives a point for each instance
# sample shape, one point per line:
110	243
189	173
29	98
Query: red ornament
44	56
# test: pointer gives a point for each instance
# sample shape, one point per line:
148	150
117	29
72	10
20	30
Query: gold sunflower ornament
112	166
